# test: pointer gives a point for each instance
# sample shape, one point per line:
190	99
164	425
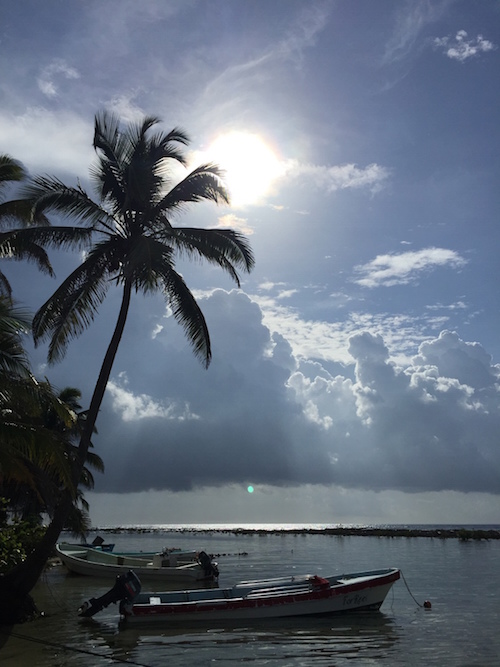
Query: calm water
461	579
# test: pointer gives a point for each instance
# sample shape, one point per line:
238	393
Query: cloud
328	341
232	221
411	17
303	33
133	407
234	87
269	285
458	305
407	267
338	177
46	80
125	107
48	142
287	294
461	48
265	415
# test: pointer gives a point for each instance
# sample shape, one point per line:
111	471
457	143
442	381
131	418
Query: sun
250	166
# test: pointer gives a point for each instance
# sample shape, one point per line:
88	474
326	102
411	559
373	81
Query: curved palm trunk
16	585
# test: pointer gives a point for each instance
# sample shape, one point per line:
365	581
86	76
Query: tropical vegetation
39	427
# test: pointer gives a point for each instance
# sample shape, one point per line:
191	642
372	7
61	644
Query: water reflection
361	635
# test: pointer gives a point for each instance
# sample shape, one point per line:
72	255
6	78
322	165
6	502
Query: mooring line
426	605
74	649
58	601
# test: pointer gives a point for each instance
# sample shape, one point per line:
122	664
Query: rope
408	589
57	600
65	647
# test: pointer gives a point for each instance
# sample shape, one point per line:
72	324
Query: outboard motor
210	568
127	587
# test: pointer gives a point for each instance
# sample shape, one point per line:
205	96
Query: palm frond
107	173
78	521
28	445
10	170
13	318
71	397
50	194
14	322
135	134
72	307
5	287
202	184
188	314
95	461
106	133
57	236
13	359
21	248
224	247
20	211
161	148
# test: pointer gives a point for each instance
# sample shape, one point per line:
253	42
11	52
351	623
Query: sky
356	371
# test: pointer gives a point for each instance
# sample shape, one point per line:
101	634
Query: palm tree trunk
16	585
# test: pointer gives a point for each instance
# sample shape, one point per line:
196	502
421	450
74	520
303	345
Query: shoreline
463	534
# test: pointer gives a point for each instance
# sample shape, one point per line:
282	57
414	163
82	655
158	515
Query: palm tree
57	422
12	213
135	248
25	242
78	520
14	322
23	401
37	463
37	425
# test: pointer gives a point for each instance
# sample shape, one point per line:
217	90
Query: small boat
305	595
98	544
166	567
174	554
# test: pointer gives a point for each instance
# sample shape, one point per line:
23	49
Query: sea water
461	579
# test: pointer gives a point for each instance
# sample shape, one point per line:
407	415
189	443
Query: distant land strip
340	531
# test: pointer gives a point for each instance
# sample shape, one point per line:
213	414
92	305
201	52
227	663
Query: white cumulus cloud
133	406
403	268
462	48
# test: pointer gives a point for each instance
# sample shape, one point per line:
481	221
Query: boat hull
94	563
349	593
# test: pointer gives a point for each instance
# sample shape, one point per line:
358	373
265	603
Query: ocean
460	578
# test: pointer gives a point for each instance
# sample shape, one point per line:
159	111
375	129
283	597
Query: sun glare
249	163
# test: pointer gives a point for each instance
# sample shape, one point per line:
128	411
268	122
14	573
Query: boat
98	544
305	595
175	554
159	566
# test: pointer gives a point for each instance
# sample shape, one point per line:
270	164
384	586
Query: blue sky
356	372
